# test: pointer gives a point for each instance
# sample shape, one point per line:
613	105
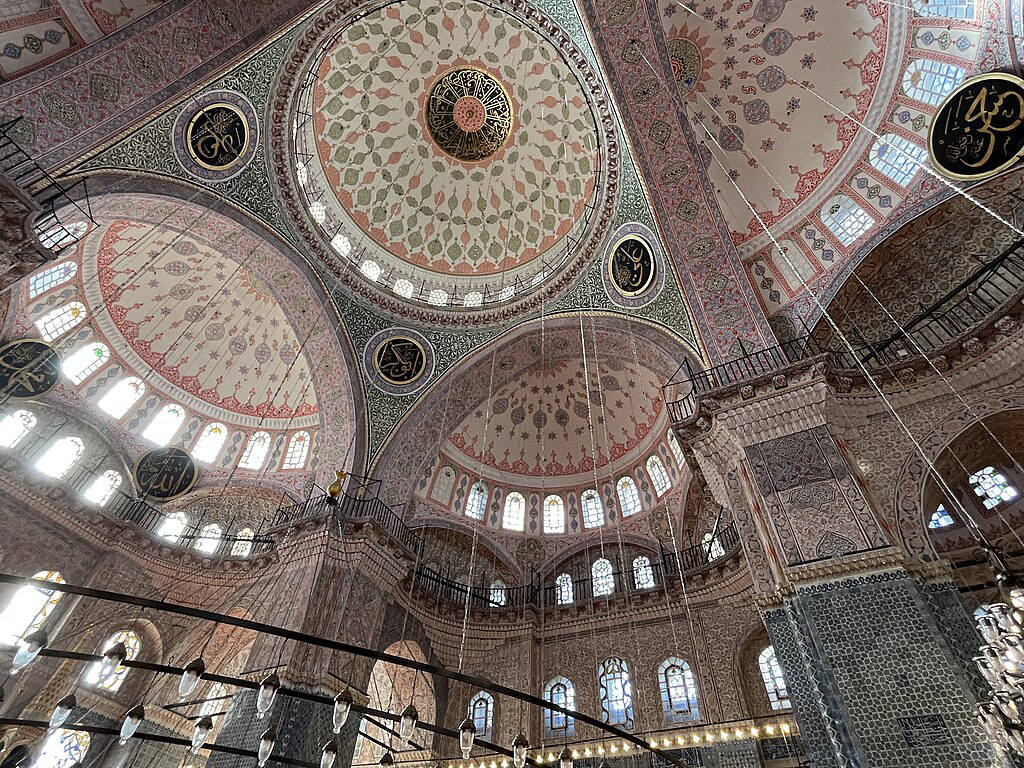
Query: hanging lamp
132	720
267	741
269	687
342	706
387	760
28	648
62	711
113	658
201	732
467	732
407	724
519	746
328	754
190	676
565	758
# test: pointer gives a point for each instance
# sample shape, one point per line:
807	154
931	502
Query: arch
242	546
209	537
173	526
209	442
930	81
629	497
659	477
481	711
51	277
678	691
897	157
60	320
643	573
712	546
559	691
497	595
615	691
298	450
61	455
391	688
29	608
554	514
677	450
15	426
514	518
103	487
476	504
602	579
774	681
165	425
122	396
593	512
115	679
564	589
256	449
85	361
846	219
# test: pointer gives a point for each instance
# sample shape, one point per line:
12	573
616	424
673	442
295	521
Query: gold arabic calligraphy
28	369
400	360
217	136
165	473
632	266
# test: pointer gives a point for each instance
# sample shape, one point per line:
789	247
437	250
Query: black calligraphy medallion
399	360
165	473
631	266
468	114
28	368
978	130
217	136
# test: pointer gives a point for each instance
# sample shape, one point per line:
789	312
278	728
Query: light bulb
407	724
28	648
267	741
62	711
387	760
113	657
342	706
467	732
519	746
328	754
200	733
565	758
190	677
132	720
269	686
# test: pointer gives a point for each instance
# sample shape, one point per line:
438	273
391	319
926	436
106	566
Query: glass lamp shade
132	720
269	687
387	760
201	732
1012	647
565	758
989	629
267	741
407	723
190	676
1017	598
28	648
113	658
1008	704
519	746
467	732
62	711
342	706
328	754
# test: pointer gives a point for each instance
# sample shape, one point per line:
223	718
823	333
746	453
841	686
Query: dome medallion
454	163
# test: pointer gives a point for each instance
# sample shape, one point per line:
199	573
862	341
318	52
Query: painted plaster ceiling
448	155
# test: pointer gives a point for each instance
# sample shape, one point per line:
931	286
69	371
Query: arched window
113	681
477	501
173	526
29	608
165	424
992	487
216	701
122	396
515	512
930	81
950	9
563	589
774	682
940	518
243	543
85	361
616	692
658	475
678	691
209	538
497	595
60	456
643	574
256	451
51	277
103	487
481	712
62	749
897	157
560	692
677	450
59	321
712	546
554	514
629	499
593	512
845	219
601	577
298	449
15	426
209	443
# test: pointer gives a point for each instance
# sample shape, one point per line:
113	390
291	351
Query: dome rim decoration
496	307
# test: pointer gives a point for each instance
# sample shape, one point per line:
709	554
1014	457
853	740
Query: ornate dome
449	160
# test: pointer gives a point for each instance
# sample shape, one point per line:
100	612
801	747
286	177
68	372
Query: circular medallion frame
463	125
647	278
399	361
216	122
165	473
968	123
28	368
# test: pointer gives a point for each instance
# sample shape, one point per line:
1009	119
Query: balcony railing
976	300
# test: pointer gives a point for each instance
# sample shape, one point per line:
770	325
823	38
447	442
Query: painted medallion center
469	114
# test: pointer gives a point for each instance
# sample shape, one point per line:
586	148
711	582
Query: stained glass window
515	511
560	692
563	589
774	682
113	681
845	219
62	749
173	526
497	595
643	573
930	81
992	487
897	157
602	578
103	487
209	538
29	608
122	396
298	449
477	501
940	518
256	450
51	277
678	691
950	9
616	692
85	361
15	426
554	514
658	475
59	321
209	443
61	456
243	543
676	449
712	546
629	499
165	424
593	512
481	712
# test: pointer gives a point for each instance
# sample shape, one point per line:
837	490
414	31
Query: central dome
450	157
